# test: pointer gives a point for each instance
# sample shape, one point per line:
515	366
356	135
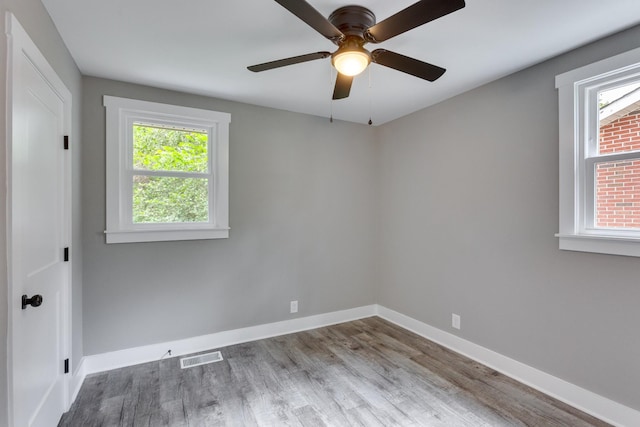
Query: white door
38	234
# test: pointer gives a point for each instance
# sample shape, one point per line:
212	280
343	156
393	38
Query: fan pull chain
331	111
331	100
370	122
330	86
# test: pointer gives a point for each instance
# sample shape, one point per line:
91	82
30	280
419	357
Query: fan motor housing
352	20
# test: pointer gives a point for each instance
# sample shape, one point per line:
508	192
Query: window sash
209	131
590	195
129	208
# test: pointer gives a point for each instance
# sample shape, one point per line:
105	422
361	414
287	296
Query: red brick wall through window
618	183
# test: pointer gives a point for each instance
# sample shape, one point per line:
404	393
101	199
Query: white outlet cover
455	321
294	306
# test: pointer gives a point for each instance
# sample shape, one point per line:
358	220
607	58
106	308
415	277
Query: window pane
157	148
619	115
170	200
618	194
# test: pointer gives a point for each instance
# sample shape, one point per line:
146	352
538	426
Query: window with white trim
599	107
167	172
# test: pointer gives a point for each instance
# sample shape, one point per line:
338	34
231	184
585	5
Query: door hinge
66	142
66	254
66	366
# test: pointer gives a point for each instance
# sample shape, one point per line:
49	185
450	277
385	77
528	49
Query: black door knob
34	301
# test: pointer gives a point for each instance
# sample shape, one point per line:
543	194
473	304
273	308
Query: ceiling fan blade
312	17
413	16
288	61
343	86
407	65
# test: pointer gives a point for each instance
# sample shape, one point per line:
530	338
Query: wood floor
362	373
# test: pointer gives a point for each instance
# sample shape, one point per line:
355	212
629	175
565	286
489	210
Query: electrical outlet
455	320
294	306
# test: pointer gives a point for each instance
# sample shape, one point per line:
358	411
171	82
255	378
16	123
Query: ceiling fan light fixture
352	27
351	62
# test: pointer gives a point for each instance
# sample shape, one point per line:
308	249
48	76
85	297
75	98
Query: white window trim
120	115
576	90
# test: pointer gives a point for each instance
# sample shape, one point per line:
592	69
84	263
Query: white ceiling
204	47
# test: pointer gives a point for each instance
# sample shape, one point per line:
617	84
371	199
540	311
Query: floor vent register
200	359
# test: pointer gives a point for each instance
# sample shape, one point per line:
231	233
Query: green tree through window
167	183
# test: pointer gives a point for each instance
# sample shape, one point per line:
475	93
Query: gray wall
301	198
453	209
470	189
35	19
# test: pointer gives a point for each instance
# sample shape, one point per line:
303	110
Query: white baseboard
148	353
580	398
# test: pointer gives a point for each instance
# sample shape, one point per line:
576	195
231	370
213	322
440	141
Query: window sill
133	236
612	245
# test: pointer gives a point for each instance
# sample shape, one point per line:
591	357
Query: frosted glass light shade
351	62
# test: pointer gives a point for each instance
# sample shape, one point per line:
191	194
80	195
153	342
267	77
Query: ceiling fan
352	27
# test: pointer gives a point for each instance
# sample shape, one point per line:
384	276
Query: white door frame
19	43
